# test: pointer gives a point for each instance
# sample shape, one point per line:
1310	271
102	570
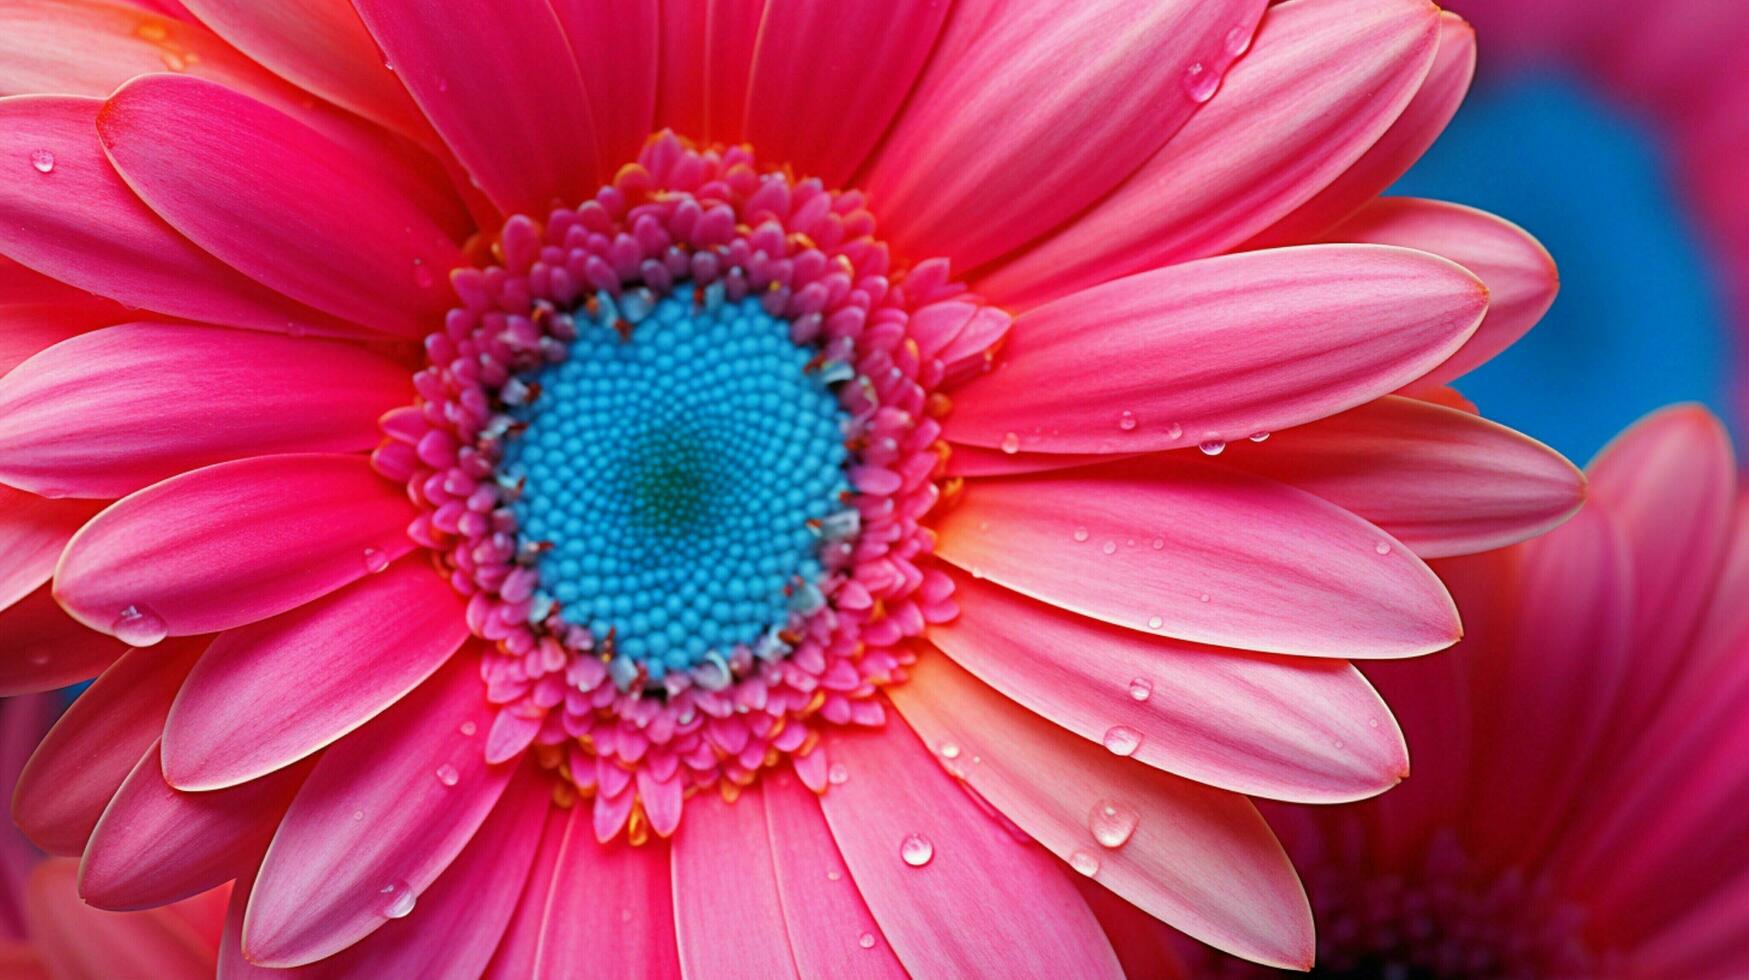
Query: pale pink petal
1199	858
41	648
1219	349
1202	553
79	941
27	329
80	224
498	82
1323	81
321	227
953	891
273	692
155	845
33	530
831	931
828	79
1028	113
1442	481
1421	122
380	818
232	544
1519	273
1297	729
109	412
727	913
91	750
616	46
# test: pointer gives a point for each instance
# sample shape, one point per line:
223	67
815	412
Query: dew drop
834	876
1155	622
1159	543
1112	823
447	775
358	814
866	940
1110	547
949	750
1383	547
1127	421
836	774
1372	723
398	899
175	61
1080	534
469	728
1141	688
139	626
1203	598
1238	41
1122	740
1011	443
916	850
375	560
1084	863
1212	447
1174	431
1200	83
43	161
1258	437
1340	744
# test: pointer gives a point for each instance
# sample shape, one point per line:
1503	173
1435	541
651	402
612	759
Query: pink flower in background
1579	779
497	436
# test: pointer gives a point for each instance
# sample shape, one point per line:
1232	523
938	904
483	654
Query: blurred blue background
1640	321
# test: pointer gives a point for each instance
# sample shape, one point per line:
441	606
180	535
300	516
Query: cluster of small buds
888	342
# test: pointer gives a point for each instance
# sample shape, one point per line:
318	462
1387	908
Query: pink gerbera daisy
1576	809
500	426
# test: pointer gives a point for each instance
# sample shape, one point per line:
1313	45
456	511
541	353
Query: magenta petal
78	941
108	412
616	46
26	329
232	544
41	648
273	692
33	530
378	821
727	912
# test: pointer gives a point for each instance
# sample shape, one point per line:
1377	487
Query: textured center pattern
675	478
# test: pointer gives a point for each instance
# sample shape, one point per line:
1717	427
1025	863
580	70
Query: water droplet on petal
1340	744
358	814
1175	431
1200	83
43	161
1203	598
1238	41
949	750
398	899
1011	443
139	626
836	774
1372	723
1159	543
834	876
1258	437
1122	740
1112	823
866	940
447	775
1383	547
469	728
1081	534
175	61
1127	421
375	560
1141	688
1110	547
916	850
1212	447
1084	863
1155	622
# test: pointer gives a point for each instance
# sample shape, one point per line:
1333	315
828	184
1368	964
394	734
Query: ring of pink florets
708	220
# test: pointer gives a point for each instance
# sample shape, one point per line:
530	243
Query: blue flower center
680	469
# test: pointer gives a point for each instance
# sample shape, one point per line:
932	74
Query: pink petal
1421	122
77	940
80	224
27	329
522	936
727	912
504	92
683	65
951	908
155	845
273	692
1442	481
117	409
1029	113
616	46
1199	858
977	461
1519	273
1235	345
41	648
321	226
831	931
1242	562
232	544
381	817
1324	79
828	79
91	750
33	530
1307	730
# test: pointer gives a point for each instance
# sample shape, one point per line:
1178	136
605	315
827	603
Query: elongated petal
80	941
155	845
1201	859
727	912
1442	481
41	648
1240	561
26	329
1219	349
232	544
1323	81
273	692
321	227
80	224
1519	273
1307	730
504	93
829	78
616	46
33	530
938	873
1027	113
109	412
1421	122
90	751
381	817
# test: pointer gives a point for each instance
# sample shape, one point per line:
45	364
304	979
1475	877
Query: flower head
758	483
